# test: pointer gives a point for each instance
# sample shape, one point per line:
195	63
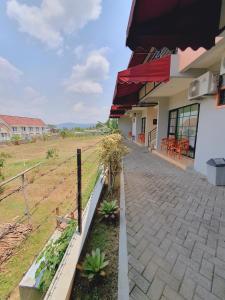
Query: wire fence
35	197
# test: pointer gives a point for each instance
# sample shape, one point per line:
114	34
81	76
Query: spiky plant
109	210
94	265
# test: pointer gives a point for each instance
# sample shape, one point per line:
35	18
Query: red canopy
131	80
173	24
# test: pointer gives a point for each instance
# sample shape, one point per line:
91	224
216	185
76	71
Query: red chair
141	138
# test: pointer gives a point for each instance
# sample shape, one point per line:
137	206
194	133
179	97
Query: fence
40	197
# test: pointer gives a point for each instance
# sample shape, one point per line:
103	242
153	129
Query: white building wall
179	100
151	114
125	125
211	134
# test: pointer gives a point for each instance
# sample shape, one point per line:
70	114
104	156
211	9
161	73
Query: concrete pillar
162	124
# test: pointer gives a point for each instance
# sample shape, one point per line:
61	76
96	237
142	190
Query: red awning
131	80
173	24
115	116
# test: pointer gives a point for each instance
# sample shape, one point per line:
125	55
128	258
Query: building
22	126
175	94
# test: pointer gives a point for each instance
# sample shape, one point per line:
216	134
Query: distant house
23	126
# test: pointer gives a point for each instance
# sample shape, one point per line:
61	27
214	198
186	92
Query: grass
57	189
106	238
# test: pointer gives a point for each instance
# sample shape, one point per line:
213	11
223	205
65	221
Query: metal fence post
25	199
79	196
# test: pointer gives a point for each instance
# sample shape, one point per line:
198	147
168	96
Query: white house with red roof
22	126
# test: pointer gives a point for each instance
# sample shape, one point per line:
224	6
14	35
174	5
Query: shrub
109	210
52	153
45	137
15	139
52	256
94	265
5	155
2	164
111	152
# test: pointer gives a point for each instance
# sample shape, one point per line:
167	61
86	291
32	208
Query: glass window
183	123
221	97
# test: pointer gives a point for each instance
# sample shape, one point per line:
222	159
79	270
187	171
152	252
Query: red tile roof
22	121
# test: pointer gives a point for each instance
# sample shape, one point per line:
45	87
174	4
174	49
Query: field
49	186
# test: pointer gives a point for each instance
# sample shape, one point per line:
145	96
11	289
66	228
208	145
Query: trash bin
216	171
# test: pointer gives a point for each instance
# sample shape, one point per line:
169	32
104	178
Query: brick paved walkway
175	231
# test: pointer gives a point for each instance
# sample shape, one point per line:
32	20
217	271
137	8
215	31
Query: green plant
52	256
51	153
94	265
111	152
15	139
109	209
5	155
2	164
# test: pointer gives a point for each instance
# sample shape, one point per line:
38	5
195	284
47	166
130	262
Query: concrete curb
123	282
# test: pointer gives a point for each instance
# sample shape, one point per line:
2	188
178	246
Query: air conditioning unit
203	86
222	66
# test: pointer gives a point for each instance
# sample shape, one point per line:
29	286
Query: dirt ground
52	185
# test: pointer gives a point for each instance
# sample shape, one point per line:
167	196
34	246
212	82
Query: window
14	129
183	123
221	95
221	91
31	128
143	124
23	128
37	129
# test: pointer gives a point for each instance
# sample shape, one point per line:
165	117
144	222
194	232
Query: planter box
61	286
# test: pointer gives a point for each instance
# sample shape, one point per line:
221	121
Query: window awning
173	24
130	81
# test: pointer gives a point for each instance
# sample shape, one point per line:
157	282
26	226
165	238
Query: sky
59	58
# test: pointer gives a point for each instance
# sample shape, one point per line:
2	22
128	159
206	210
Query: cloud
53	18
15	97
89	113
33	96
78	51
86	78
8	72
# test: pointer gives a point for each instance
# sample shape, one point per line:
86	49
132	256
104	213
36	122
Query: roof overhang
208	58
174	24
168	89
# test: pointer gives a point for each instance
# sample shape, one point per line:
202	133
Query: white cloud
15	97
78	51
8	72
53	18
89	113
33	96
86	78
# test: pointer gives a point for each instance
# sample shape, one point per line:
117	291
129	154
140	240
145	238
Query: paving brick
156	289
199	279
137	294
179	269
139	280
170	294
150	271
207	269
168	279
187	288
218	287
136	264
204	294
